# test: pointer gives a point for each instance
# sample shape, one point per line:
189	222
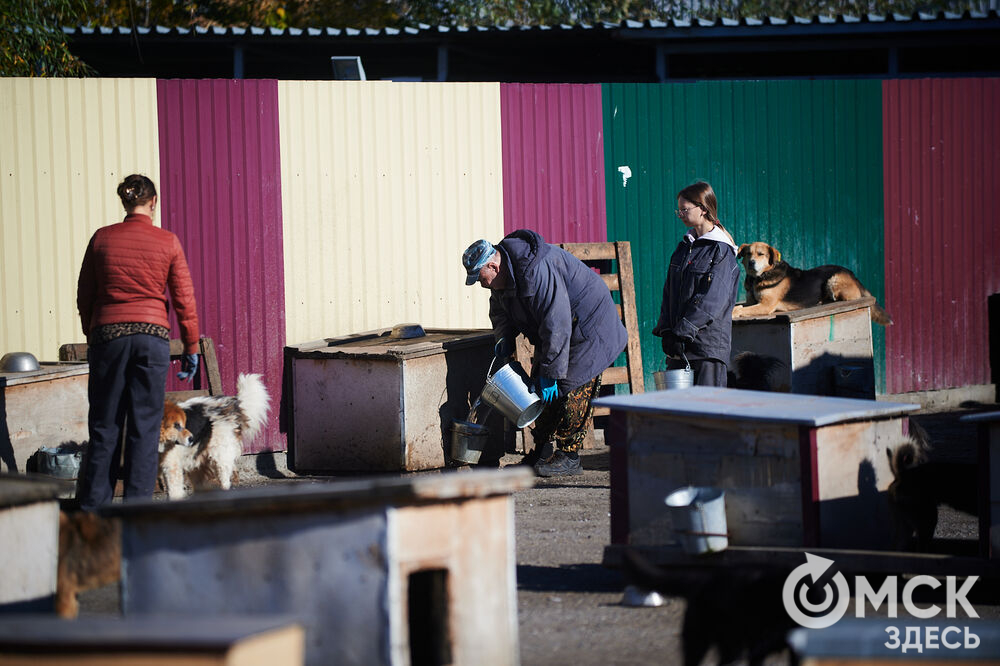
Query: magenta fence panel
221	191
942	229
553	161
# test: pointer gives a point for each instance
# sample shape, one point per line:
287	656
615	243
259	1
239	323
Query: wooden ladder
600	256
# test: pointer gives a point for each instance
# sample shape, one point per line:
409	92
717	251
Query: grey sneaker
559	464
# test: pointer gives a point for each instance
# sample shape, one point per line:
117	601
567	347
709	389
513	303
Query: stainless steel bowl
18	362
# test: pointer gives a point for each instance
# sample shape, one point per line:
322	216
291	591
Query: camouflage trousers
564	422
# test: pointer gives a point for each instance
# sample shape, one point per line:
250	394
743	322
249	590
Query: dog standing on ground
737	610
920	485
773	286
90	556
202	438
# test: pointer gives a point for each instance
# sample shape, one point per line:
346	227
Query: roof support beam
442	52
238	61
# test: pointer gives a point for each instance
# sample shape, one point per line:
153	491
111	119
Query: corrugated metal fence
221	189
942	203
65	144
317	209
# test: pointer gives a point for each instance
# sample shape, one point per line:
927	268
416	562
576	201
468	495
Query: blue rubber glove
549	388
503	348
189	367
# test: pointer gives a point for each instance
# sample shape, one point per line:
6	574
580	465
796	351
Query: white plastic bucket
699	517
508	390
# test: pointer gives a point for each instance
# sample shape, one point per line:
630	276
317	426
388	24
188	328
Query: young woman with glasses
700	290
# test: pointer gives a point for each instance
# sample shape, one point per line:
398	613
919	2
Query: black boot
539	453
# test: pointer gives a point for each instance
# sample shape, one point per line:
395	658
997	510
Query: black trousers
128	379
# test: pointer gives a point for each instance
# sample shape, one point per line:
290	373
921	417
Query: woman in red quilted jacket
121	295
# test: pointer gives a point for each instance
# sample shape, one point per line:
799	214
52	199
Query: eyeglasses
682	211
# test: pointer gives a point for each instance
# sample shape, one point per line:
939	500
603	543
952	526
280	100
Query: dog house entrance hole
427	605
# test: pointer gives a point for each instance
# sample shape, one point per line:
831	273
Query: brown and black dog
90	556
774	286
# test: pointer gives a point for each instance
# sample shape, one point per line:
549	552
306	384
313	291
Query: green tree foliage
400	13
32	42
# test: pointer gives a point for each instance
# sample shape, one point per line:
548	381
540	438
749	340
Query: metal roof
678	28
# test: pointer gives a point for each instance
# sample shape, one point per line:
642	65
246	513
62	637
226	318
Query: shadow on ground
568	578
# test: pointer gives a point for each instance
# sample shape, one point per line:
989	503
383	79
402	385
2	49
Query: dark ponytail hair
702	195
136	190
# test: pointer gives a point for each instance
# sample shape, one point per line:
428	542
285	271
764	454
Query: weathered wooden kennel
418	570
824	350
29	556
800	472
385	400
44	407
797	470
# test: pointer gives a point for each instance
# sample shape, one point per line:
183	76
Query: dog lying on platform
773	286
202	438
90	556
920	485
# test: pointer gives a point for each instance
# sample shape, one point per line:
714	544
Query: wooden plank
816	311
848	560
181	396
590	251
74	351
761	406
77	351
615	375
211	366
633	352
231	641
611	279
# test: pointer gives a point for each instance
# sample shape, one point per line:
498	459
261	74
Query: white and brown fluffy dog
201	438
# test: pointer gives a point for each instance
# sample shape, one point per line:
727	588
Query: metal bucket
468	440
508	389
699	517
674	379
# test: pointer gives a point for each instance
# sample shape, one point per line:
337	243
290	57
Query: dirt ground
570	607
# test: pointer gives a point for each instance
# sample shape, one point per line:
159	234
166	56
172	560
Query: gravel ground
569	605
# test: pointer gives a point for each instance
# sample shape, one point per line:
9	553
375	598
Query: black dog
920	485
738	611
757	372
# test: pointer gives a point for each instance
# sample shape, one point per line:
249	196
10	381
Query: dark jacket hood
526	249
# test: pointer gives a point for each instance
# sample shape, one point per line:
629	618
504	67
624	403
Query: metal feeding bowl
18	362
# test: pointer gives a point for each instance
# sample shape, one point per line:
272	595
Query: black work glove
673	346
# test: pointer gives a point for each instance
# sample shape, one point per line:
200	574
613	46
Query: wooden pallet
208	369
601	256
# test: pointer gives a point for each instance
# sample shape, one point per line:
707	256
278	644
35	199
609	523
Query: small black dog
757	372
738	611
920	485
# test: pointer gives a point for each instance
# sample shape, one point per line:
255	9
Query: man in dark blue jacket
566	311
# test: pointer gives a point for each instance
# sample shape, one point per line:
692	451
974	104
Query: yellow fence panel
384	184
65	144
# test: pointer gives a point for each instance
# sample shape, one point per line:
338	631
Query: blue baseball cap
474	258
